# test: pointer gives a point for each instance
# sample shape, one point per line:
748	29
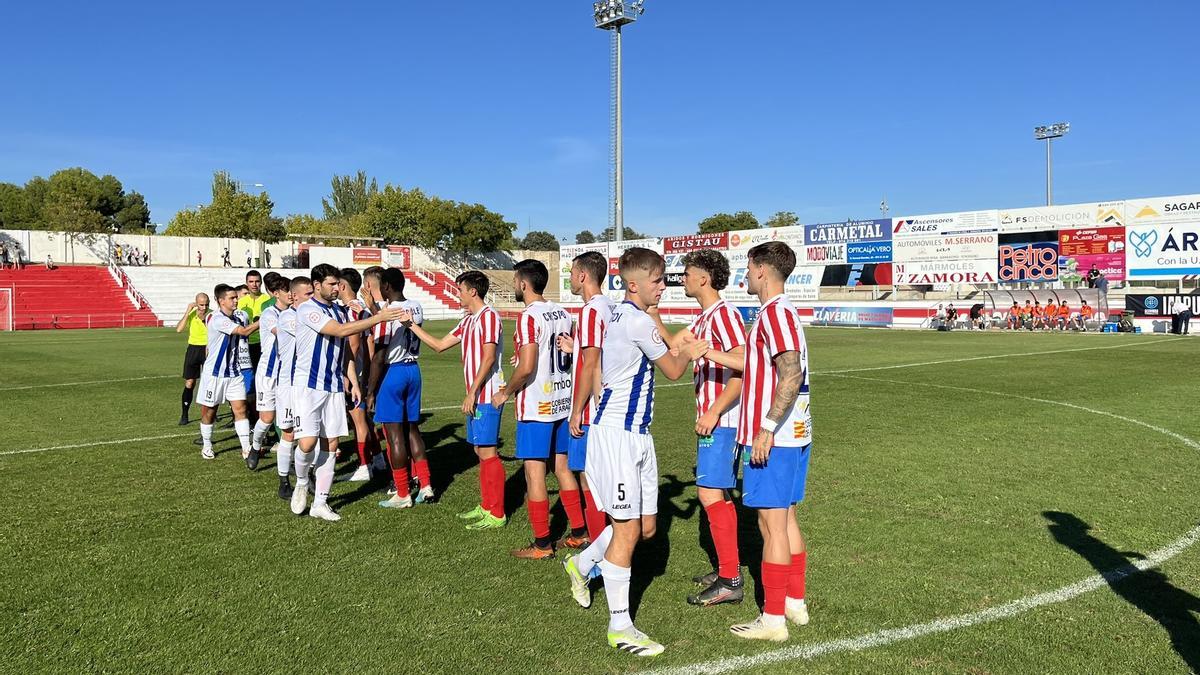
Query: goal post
6	309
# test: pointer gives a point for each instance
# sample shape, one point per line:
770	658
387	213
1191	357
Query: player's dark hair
594	264
714	264
392	278
242	287
374	272
476	280
352	277
776	255
297	282
640	259
253	273
276	283
534	273
324	271
221	289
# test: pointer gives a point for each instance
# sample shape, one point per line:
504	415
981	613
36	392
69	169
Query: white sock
616	592
260	432
325	466
242	427
794	603
772	620
206	435
283	462
303	461
593	554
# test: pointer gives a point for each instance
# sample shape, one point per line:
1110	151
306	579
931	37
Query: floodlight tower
612	15
1049	133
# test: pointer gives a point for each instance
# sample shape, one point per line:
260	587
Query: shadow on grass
650	557
1150	591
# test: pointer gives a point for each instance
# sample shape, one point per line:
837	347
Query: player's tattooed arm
791	375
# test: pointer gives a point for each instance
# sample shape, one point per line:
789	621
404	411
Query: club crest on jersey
313	318
800	429
654	335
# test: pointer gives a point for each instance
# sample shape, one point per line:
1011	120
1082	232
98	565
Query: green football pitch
964	494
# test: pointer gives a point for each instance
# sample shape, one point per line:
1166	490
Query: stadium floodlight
1048	133
611	15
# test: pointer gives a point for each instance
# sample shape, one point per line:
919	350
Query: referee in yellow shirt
195	320
253	304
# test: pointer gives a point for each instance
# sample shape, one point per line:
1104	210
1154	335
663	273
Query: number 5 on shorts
621	491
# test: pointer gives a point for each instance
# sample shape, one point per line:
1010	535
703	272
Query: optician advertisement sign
1162	240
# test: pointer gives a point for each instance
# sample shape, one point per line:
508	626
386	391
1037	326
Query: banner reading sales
1101	247
1028	262
960	222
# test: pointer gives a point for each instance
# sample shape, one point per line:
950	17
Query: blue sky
817	108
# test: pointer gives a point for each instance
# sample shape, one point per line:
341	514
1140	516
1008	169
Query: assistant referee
195	321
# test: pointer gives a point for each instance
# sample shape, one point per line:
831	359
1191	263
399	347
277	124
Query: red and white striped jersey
589	332
357	314
721	326
776	331
476	330
547	395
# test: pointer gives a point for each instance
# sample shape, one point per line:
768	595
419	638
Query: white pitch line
1010	609
73	384
891	635
992	356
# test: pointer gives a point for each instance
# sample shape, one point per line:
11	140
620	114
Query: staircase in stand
71	296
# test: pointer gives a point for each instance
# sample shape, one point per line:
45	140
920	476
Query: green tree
723	222
539	240
70	213
134	215
349	197
783	219
16	211
232	214
630	233
585	237
398	216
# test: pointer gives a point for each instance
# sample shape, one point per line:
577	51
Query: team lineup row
583	391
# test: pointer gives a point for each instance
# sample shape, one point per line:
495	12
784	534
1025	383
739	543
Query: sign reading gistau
694	242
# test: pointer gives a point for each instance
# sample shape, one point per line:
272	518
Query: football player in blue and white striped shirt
324	370
266	376
221	378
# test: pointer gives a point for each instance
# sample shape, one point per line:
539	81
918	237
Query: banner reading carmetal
1162	240
566	255
962	222
1064	217
1100	247
1036	261
944	272
866	241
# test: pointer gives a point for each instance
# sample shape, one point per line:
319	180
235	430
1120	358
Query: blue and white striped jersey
320	362
631	344
243	352
285	344
268	363
223	345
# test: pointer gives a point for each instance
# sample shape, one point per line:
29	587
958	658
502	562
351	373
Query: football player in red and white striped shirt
775	436
480	332
361	348
589	272
718	389
541	385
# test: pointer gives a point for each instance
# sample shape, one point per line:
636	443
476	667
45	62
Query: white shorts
285	413
217	390
319	414
264	393
622	471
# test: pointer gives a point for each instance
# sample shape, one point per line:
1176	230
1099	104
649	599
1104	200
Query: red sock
795	587
539	518
421	470
491	493
593	516
498	478
570	502
400	478
775	582
363	459
722	521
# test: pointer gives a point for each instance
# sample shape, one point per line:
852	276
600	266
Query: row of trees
355	208
718	222
73	200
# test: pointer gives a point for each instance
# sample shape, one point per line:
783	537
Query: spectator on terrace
1092	276
225	258
951	315
3	257
249	259
50	262
267	253
145	257
199	259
